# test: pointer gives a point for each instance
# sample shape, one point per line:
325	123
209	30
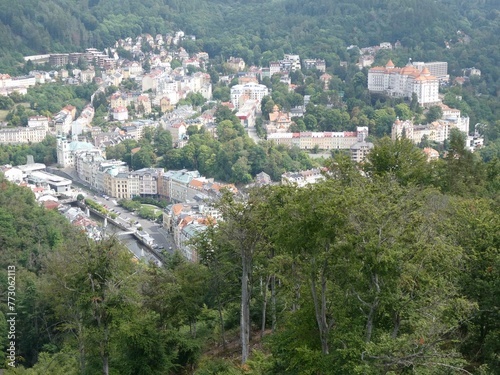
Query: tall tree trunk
221	322
295	304
369	321
373	308
264	307
273	303
81	348
320	307
105	365
245	308
397	322
105	351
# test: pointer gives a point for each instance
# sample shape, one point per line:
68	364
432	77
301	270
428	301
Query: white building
241	93
57	183
403	82
66	151
309	140
248	112
78	127
62	122
361	148
439	69
318	64
22	135
36	121
293	60
302	178
126	185
29	168
119	114
437	131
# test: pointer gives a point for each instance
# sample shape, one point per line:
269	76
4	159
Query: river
140	251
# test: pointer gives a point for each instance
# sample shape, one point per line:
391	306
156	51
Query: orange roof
196	183
425	71
177	208
135	150
185	221
408	70
389	64
425	78
216	187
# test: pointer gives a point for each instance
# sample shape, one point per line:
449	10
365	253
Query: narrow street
163	239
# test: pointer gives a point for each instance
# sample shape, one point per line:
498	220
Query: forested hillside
394	270
259	31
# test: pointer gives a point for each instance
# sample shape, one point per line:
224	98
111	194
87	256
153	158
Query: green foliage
43	152
148	213
144	158
53	97
6	102
96	206
194	99
375	273
62	363
233	156
217	367
131	205
400	159
147	200
162	141
463	172
221	93
434	113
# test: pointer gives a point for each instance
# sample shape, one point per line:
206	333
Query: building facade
322	140
403	82
23	135
241	93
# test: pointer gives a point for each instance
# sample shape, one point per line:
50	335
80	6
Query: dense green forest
314	29
393	269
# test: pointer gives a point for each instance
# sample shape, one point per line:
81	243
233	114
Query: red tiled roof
50	205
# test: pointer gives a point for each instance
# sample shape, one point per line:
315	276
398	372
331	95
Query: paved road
133	221
253	134
162	237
